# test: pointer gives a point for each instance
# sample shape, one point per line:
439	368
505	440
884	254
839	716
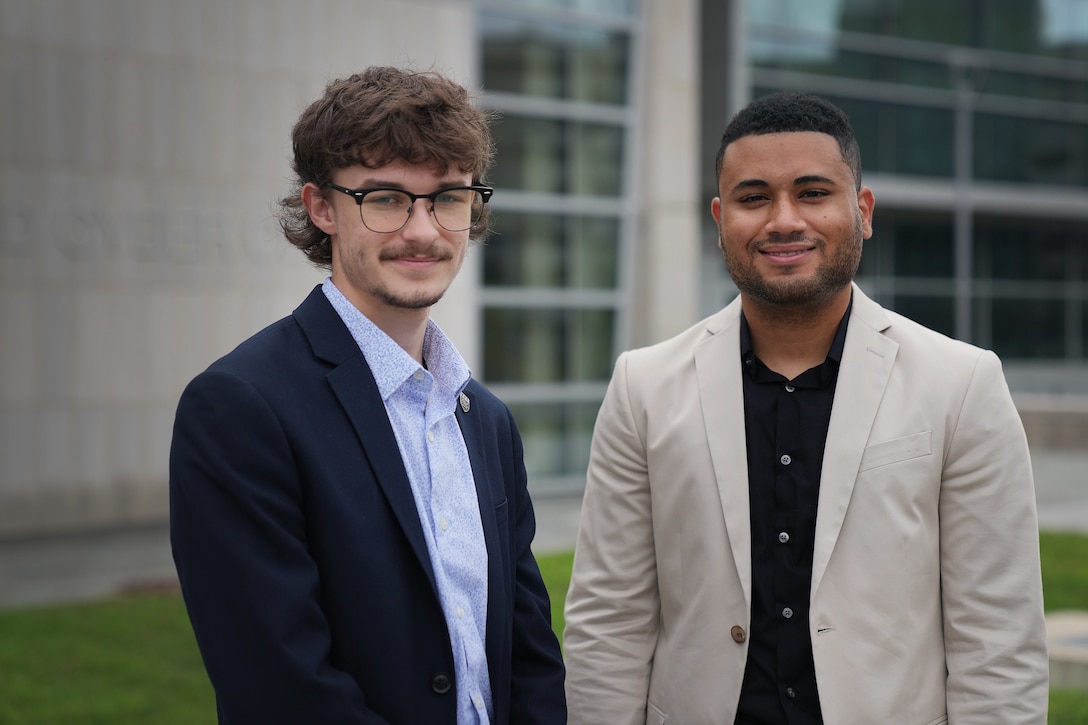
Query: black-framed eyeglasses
383	210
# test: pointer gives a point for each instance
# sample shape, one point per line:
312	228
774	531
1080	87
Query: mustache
431	251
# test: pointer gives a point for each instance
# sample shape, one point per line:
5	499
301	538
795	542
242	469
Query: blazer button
441	683
737	633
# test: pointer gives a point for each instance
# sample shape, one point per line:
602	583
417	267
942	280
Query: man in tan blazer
806	508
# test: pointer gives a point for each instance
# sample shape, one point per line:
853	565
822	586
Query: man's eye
382	198
453	197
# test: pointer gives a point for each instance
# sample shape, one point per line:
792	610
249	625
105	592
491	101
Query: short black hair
790	112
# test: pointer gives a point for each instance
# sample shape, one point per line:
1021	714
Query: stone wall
143	145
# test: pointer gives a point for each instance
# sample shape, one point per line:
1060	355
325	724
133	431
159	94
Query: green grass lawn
134	660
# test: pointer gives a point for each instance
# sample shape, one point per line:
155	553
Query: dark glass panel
554	60
1027	328
556	436
1030	151
1022	249
936	313
528	345
546	250
558	157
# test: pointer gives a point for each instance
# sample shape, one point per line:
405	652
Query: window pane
924	246
1019	249
554	60
556	436
545	250
1027	328
547	345
936	313
1034	151
558	157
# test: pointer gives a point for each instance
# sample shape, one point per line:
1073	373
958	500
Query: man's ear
716	212
318	207
866	203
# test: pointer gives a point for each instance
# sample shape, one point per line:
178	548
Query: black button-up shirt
786	428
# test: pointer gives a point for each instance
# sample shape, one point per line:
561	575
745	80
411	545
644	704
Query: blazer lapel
867	359
353	384
718	372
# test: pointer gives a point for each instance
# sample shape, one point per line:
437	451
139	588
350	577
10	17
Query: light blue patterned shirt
420	403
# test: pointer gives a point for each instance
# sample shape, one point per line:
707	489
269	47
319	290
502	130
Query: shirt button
460	611
790	388
479	701
786	460
418	374
783	537
790	693
787	612
430	436
444	523
441	683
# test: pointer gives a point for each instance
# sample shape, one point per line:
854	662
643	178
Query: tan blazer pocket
655	716
886	453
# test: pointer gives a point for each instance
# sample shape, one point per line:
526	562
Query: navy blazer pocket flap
898	449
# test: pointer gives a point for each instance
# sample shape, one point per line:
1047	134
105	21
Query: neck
407	330
790	340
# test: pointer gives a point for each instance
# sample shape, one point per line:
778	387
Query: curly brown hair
377	117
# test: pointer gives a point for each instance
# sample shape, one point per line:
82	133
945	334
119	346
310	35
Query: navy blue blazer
301	556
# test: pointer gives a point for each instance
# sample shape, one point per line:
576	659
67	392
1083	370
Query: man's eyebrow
750	184
812	179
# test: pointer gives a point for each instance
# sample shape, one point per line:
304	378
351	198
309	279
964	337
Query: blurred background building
143	145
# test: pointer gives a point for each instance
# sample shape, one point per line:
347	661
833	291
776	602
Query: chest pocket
886	453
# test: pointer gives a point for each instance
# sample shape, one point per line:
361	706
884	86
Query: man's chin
417	302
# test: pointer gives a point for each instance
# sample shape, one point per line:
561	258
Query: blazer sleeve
612	608
991	586
239	543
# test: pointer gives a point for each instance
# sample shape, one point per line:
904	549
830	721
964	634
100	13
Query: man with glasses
349	512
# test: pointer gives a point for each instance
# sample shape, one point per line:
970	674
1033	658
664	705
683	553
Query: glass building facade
553	294
973	122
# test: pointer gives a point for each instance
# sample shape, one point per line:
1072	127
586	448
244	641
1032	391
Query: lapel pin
465	404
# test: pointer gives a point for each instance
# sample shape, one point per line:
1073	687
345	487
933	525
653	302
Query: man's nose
420	218
785	218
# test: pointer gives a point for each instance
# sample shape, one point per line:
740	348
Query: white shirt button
430	436
790	388
419	374
783	537
444	523
460	611
787	612
786	460
479	701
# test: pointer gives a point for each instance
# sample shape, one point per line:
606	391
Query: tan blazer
926	598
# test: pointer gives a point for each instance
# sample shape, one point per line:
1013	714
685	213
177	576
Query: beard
833	275
404	302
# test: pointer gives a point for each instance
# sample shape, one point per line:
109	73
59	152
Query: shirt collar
834	355
390	364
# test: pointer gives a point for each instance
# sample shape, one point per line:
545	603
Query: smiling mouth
788	253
